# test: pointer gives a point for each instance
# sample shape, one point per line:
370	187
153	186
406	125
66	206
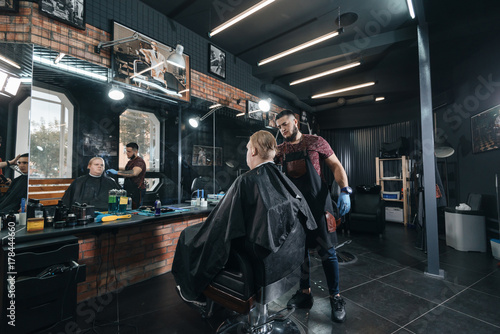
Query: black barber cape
262	205
90	190
18	190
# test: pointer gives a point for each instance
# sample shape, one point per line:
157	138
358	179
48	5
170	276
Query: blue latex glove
112	171
344	204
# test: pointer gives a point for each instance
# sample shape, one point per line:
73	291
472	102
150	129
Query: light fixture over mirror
176	58
116	93
265	105
194	122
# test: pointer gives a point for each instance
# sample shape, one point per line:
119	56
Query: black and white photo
217	61
144	64
71	12
254	111
9	5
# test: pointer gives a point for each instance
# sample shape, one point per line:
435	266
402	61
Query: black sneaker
301	300
338	309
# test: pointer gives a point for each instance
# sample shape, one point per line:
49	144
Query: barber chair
466	230
367	210
251	279
207	184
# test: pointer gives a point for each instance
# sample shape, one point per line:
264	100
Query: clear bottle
123	202
157	205
112	207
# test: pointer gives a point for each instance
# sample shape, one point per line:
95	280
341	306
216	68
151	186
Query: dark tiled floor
385	289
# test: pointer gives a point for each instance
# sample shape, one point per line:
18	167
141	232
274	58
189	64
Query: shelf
402	167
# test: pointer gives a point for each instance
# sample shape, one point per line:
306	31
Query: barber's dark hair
133	145
285	112
25	155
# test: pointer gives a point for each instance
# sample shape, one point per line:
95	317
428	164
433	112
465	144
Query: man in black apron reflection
300	156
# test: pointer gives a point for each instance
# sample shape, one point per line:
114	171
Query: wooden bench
48	191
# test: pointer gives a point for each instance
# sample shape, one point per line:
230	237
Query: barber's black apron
300	170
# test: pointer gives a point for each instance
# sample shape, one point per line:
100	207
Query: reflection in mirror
16	64
74	120
215	151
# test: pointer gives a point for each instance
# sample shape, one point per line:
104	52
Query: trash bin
465	230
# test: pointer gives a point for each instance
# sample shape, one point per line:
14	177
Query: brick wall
30	26
131	255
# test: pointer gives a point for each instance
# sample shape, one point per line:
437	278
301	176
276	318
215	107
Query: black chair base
240	325
346	258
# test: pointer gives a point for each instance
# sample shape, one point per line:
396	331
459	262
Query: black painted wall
475	87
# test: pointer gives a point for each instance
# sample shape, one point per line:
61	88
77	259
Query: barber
300	155
134	174
4	164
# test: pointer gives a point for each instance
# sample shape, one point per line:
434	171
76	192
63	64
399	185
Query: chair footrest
231	302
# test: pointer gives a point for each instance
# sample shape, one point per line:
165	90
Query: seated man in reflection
92	188
18	189
262	205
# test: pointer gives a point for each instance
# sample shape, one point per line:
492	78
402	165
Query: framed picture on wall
207	155
71	12
253	110
142	64
485	129
271	119
9	5
216	61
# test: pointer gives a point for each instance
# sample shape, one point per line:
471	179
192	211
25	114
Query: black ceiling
380	33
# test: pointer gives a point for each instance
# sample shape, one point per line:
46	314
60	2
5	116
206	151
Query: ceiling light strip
410	8
299	47
322	74
10	62
317	96
240	17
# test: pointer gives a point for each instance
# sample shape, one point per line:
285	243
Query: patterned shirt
317	149
139	179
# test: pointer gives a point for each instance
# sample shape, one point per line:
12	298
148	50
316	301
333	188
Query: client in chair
262	206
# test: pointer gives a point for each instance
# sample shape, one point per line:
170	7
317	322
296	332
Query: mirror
73	119
16	65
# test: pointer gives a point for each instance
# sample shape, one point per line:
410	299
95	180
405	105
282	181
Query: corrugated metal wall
357	148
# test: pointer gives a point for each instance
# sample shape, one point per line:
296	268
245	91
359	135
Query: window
51	129
142	128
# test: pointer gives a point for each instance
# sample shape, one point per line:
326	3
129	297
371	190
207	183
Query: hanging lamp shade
176	58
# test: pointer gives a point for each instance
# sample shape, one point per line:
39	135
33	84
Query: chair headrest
365	189
474	201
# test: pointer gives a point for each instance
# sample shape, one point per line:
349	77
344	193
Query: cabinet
392	174
42	289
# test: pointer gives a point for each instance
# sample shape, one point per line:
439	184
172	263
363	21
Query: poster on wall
485	128
217	61
253	110
9	5
147	65
71	12
204	156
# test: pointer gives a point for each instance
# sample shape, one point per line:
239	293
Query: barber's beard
294	134
132	157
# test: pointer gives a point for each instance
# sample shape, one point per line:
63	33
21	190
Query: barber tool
113	217
84	213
